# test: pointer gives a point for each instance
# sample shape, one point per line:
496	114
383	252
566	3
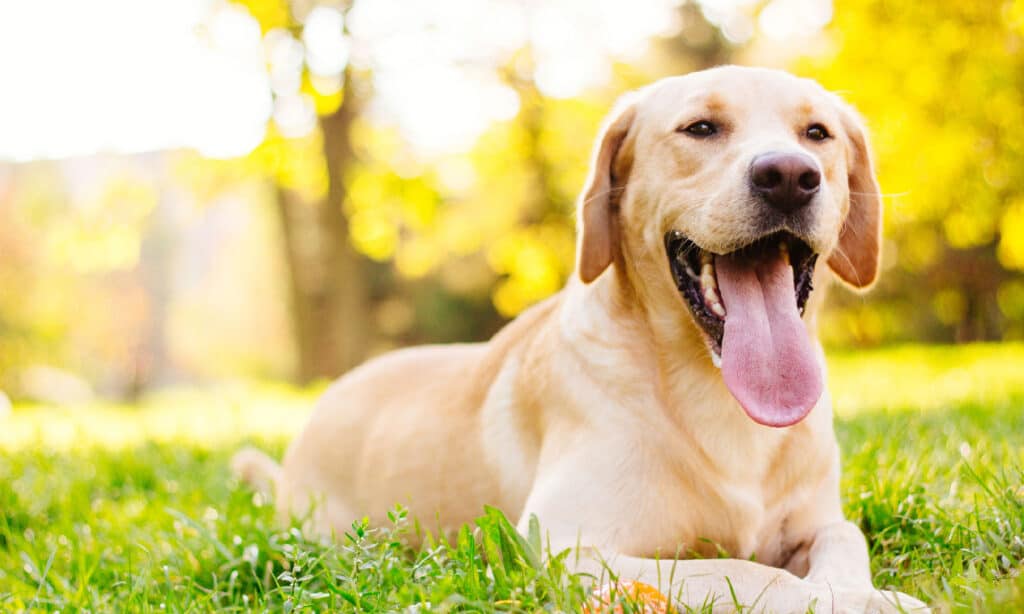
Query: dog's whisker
881	194
602	194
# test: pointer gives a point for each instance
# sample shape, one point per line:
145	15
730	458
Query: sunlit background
198	191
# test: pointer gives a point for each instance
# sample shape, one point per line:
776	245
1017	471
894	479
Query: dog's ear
598	205
857	257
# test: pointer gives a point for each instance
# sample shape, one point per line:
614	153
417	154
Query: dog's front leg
838	559
722	585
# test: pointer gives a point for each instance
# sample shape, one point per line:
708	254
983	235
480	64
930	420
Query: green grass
109	508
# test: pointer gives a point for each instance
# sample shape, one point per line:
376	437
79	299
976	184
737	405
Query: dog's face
722	188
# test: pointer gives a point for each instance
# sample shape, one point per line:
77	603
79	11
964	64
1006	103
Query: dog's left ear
597	209
857	257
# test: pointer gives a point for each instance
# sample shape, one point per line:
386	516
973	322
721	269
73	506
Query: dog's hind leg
256	469
295	502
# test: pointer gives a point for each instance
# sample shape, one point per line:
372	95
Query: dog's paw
875	602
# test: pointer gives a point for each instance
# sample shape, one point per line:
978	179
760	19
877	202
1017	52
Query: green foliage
151	520
161	527
940	498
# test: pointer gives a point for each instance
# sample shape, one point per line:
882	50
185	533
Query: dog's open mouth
749	305
693	270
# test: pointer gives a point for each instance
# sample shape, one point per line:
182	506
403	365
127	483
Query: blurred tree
329	286
330	289
942	85
697	45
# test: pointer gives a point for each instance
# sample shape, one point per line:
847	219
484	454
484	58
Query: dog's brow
714	102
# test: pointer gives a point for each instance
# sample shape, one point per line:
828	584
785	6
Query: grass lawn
107	508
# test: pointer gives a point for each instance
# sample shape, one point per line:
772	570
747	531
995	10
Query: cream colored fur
599	410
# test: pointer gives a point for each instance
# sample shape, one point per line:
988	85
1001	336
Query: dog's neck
613	316
629	292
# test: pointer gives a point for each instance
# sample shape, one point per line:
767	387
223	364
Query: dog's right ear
598	205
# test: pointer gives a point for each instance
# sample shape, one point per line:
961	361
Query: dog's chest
733	518
723	497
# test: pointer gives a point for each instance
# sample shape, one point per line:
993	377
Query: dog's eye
700	129
817	132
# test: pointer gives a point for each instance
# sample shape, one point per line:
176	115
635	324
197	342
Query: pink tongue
768	361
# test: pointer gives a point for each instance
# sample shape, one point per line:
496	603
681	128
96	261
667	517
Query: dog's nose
786	181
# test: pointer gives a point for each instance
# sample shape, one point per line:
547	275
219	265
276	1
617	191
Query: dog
670	401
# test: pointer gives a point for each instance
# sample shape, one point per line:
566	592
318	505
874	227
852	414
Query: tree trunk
329	287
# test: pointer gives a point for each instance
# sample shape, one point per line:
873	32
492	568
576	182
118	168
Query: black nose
786	181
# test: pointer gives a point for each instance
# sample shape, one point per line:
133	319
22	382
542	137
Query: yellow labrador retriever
671	398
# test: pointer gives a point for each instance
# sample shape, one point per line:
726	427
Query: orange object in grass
624	597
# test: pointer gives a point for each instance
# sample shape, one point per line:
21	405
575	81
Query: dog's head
716	193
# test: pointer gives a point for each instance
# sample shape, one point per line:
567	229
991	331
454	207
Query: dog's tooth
707	270
714	302
784	251
707	276
709	286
